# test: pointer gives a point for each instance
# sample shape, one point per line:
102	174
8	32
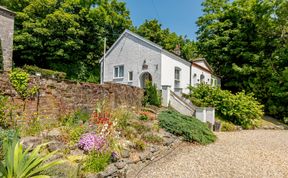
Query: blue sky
178	15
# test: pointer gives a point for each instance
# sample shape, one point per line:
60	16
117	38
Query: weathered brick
67	96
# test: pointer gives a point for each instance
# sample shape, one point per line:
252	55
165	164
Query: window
202	78
119	71
130	76
177	74
177	77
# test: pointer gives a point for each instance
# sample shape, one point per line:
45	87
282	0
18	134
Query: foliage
66	35
123	117
139	145
241	109
44	72
75	118
227	126
152	95
6	136
246	42
20	163
75	133
140	127
152	30
91	142
190	128
20	82
285	120
151	138
96	162
32	128
3	111
143	117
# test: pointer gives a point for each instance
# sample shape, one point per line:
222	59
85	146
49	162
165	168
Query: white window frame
118	75
129	72
179	70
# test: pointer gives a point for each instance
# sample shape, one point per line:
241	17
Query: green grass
190	128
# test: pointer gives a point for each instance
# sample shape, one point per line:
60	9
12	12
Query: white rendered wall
168	65
132	52
198	72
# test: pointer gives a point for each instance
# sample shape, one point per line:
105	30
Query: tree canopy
66	35
247	44
153	31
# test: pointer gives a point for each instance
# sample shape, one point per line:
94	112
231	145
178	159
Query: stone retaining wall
56	98
6	36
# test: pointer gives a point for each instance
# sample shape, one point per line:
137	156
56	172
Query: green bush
96	162
44	72
190	128
143	117
152	95
240	108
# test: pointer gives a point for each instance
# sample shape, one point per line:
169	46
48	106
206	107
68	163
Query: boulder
111	169
31	142
55	146
125	153
120	164
54	133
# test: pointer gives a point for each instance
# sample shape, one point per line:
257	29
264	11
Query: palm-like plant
19	163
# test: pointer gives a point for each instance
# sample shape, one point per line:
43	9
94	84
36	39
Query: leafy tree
246	43
153	31
66	35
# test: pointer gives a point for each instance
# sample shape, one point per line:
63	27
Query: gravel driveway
256	153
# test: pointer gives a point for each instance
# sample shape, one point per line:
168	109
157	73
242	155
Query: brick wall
56	98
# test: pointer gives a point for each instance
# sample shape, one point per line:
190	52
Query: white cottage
133	59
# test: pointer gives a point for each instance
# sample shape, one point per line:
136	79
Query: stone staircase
186	107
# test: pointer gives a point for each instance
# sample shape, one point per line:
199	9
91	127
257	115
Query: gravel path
256	153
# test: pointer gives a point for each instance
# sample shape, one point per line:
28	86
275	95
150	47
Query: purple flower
91	142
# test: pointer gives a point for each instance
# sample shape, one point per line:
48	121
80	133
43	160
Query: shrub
240	109
44	72
96	162
20	82
152	95
20	163
151	138
227	126
143	117
139	145
190	128
75	133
